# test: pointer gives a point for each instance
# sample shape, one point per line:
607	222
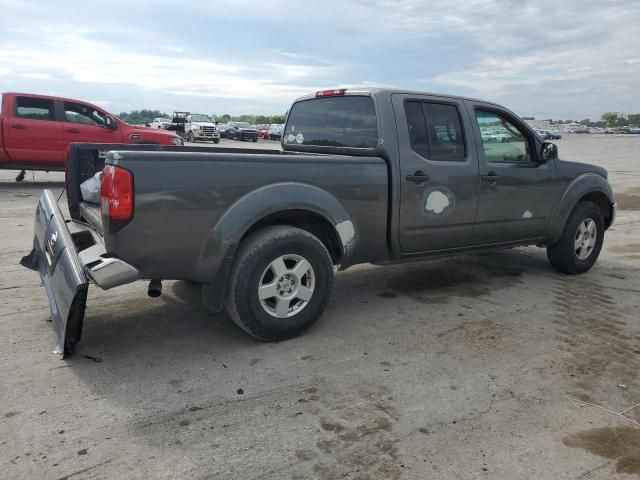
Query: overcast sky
559	58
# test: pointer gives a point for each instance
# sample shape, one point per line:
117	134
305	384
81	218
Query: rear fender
222	242
580	187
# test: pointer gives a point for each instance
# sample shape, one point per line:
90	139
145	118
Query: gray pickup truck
371	175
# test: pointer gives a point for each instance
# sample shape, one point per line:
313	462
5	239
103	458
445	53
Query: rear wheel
579	246
280	283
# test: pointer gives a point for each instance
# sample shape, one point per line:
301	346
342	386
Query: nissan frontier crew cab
371	175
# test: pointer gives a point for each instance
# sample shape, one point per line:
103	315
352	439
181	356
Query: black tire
563	255
216	140
255	140
191	138
253	264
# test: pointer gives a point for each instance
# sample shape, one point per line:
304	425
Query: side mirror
110	123
549	152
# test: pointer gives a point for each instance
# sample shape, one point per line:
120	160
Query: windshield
243	125
345	121
198	117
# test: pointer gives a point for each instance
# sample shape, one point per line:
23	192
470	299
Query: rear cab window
34	108
347	121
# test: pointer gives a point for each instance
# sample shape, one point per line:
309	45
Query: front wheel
216	140
280	283
579	246
190	137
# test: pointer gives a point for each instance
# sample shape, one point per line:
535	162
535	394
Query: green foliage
140	117
617	119
252	119
634	119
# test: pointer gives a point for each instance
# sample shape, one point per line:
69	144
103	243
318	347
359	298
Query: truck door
32	135
517	192
85	123
438	173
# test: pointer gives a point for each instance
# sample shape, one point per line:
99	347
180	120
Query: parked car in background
275	132
267	228
548	134
223	130
200	127
242	131
554	134
36	130
161	123
262	130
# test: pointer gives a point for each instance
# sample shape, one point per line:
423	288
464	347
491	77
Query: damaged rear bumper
69	255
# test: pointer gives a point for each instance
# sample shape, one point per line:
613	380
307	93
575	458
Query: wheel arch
589	186
295	204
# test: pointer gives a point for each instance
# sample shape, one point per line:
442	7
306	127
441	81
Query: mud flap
55	257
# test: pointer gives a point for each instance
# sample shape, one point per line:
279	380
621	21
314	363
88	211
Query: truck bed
184	195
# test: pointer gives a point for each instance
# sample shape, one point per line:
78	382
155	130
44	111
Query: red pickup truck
36	130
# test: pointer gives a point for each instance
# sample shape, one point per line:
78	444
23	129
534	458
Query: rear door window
435	130
34	108
339	121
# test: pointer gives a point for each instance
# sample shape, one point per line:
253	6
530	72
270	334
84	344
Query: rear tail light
331	92
116	197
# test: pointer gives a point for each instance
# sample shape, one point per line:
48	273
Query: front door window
502	141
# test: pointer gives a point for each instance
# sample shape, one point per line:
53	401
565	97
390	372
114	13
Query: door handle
418	177
491	177
18	126
73	130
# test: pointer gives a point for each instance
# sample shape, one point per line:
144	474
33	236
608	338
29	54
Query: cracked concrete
456	368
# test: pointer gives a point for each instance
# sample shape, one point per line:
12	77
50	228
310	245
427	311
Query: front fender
580	186
218	250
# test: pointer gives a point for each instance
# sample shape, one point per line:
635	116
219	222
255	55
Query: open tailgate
55	257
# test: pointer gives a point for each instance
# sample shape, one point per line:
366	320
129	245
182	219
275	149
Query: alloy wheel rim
585	240
286	286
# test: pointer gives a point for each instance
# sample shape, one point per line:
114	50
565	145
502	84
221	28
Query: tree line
607	120
140	117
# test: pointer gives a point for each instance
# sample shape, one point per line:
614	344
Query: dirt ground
480	366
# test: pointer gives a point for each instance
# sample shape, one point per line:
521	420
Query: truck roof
376	91
51	97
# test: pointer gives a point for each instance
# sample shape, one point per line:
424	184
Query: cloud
563	58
